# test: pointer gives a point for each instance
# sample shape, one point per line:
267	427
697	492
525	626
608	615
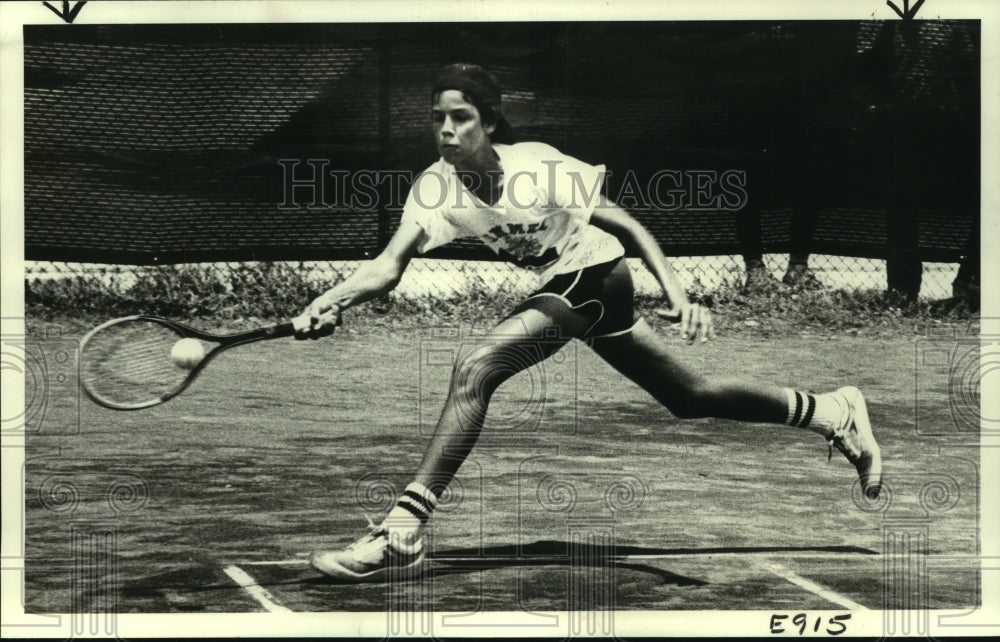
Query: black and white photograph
470	319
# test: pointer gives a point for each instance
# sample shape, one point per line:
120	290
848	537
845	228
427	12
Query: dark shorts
601	298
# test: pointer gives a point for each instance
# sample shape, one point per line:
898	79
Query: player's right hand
323	317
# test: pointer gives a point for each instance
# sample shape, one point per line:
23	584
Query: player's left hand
695	321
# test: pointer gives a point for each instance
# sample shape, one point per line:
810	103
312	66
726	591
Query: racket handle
674	316
285	329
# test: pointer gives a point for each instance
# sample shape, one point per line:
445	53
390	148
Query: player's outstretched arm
374	278
695	320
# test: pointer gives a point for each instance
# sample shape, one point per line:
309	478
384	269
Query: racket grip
285	329
669	315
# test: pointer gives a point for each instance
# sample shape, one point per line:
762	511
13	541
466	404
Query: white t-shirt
541	221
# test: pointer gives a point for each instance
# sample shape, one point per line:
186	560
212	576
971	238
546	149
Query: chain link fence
428	280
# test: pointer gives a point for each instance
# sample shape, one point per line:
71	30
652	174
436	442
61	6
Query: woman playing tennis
543	210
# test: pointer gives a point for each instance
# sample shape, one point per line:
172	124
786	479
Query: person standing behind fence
541	210
805	120
800	172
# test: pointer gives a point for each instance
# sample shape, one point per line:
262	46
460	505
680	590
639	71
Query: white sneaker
856	440
371	558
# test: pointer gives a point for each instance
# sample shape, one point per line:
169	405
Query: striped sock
407	518
820	413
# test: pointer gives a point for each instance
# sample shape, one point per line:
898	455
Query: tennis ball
187	353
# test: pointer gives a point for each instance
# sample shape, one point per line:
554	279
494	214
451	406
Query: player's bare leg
643	356
841	417
516	343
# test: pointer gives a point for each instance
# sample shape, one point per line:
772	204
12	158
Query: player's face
458	129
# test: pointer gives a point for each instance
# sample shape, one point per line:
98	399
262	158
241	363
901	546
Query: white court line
813	587
255	590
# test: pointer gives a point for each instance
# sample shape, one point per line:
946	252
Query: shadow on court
571	554
545	553
557	574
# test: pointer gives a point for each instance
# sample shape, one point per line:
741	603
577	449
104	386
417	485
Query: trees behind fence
157	144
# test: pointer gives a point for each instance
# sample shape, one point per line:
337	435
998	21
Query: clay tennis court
151	151
582	493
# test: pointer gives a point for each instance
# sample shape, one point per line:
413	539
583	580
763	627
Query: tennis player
543	210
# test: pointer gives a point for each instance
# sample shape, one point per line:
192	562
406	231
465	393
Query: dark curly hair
480	88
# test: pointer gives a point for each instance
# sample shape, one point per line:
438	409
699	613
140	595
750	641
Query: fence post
904	270
903	267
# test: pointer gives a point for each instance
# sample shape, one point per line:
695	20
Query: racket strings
129	363
140	360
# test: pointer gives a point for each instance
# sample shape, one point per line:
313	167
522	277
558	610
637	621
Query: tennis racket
126	364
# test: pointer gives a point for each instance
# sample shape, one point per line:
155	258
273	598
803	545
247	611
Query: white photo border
13	16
